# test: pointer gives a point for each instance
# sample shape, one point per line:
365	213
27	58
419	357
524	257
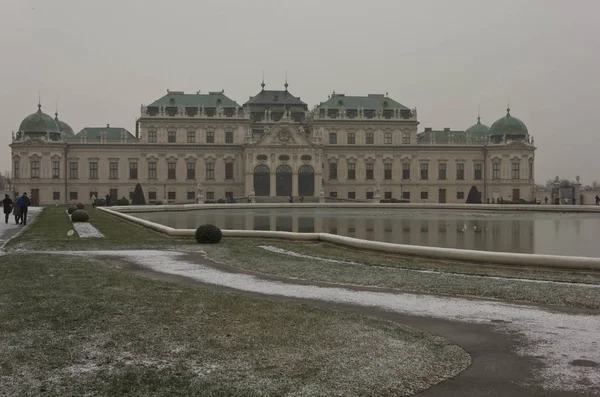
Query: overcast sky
102	59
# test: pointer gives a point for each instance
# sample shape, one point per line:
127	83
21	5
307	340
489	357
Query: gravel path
566	343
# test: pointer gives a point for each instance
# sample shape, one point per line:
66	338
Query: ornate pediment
283	134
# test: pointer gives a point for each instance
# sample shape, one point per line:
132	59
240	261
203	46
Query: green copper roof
65	129
38	122
509	126
210	100
441	137
269	98
478	130
112	133
369	102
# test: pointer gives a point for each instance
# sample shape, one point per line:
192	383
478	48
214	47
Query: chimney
446	128
427	129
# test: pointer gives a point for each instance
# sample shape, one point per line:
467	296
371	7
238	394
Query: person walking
17	213
108	200
8	203
93	201
25	202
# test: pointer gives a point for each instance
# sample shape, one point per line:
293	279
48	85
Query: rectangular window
442	171
228	170
387	195
478	169
72	195
351	171
424	195
113	169
351	138
16	172
93	170
172	137
332	170
496	171
460	171
151	136
191	137
387	138
55	169
460	195
171	195
333	138
387	171
210	171
369	140
352	195
424	171
210	137
370	171
406	171
530	170
369	195
151	195
152	171
73	170
406	138
191	196
35	169
516	171
210	195
406	195
228	136
171	170
191	171
133	170
55	195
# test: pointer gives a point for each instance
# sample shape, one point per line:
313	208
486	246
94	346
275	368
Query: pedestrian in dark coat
17	214
24	204
8	203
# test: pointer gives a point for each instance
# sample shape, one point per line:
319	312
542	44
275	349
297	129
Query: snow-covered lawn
556	338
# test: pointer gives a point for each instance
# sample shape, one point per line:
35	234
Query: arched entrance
306	181
262	180
284	180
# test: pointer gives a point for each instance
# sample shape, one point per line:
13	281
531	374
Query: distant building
353	147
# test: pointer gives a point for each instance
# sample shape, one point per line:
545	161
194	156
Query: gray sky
102	59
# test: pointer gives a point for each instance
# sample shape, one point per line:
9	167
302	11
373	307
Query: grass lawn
74	326
375	269
49	232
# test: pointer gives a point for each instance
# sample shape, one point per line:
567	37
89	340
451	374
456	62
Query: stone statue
180	109
532	140
202	111
504	138
301	130
577	178
377	189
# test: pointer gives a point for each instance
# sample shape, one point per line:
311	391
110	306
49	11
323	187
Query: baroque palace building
350	147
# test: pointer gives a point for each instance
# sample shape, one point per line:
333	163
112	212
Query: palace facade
207	146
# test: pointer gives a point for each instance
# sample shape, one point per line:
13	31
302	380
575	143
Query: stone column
294	182
577	190
273	191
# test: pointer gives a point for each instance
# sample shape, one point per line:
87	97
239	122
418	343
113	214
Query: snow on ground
276	250
557	338
86	230
7	229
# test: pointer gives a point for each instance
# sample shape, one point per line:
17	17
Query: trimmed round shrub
122	201
158	203
208	234
80	216
100	202
80	206
72	209
221	201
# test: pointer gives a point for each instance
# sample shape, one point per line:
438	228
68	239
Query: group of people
18	209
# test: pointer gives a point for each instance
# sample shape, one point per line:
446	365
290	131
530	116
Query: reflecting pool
524	232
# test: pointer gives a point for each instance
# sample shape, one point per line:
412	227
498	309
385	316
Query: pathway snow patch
86	230
558	338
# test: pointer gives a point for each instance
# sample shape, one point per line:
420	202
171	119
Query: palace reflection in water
542	233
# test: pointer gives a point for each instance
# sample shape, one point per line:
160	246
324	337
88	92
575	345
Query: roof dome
509	126
38	122
478	130
65	129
